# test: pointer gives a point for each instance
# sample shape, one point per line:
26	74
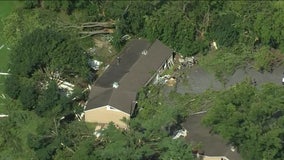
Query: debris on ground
3	115
171	82
180	133
95	64
2	46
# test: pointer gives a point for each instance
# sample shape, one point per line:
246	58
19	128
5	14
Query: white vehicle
179	133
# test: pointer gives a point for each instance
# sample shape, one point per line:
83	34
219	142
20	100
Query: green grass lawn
6	7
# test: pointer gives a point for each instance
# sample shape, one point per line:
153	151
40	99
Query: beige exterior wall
214	158
106	115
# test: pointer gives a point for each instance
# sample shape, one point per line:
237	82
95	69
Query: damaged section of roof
131	71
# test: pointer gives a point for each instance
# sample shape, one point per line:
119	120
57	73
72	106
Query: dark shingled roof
133	72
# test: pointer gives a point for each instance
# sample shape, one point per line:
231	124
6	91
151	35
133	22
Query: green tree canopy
48	51
22	22
248	117
224	30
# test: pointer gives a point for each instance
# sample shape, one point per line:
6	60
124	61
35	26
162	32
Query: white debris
97	134
3	96
214	157
68	87
4	74
181	60
106	67
115	85
214	44
95	64
144	52
187	61
68	84
125	37
2	46
233	149
3	115
62	118
55	75
180	133
78	116
162	79
98	131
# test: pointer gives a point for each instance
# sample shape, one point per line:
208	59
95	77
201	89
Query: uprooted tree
92	28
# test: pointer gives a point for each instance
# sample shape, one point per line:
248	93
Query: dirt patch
103	49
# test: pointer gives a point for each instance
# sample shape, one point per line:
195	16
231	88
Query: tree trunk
92	25
91	33
103	31
92	28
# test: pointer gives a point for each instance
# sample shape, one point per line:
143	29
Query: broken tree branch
91	33
103	31
92	25
91	28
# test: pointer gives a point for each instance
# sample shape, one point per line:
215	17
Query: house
113	95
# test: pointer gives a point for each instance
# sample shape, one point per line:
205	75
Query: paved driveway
211	144
197	81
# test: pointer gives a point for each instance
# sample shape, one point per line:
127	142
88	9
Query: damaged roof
132	70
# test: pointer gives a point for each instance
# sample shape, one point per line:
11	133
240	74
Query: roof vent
115	85
144	52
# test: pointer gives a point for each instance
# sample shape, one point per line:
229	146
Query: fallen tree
91	33
91	28
86	25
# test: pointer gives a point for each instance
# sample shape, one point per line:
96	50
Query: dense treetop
46	40
251	119
187	26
